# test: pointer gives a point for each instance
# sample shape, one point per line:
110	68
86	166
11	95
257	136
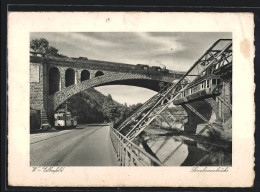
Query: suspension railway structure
204	92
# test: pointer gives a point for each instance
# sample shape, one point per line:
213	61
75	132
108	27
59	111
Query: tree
52	51
111	109
41	45
109	97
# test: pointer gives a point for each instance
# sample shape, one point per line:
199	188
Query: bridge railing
108	66
129	154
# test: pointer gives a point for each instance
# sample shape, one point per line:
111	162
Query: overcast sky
177	51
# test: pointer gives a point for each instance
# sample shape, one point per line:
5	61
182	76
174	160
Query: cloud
175	50
91	40
117	46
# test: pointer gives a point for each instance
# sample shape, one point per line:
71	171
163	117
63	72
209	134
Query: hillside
91	106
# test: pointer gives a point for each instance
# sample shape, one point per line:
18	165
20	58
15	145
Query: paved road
84	146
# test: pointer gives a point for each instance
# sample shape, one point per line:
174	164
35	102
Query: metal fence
129	154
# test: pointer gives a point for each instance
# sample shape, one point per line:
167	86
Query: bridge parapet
101	65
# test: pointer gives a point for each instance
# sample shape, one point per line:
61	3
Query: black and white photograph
131	99
105	99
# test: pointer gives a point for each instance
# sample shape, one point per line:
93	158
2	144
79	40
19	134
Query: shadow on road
57	130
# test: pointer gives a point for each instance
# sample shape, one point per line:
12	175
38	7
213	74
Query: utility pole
66	105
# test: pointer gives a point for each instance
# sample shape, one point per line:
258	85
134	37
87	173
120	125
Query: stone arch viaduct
53	79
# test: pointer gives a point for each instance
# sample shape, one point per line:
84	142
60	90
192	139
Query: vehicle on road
63	119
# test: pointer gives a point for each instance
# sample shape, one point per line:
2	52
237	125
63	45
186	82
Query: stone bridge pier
212	109
204	108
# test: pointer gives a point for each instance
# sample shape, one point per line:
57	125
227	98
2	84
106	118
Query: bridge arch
69	77
140	80
54	80
99	73
85	75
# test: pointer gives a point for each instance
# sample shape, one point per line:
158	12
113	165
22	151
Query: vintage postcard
131	99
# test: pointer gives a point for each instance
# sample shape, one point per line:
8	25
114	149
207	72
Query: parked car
45	127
